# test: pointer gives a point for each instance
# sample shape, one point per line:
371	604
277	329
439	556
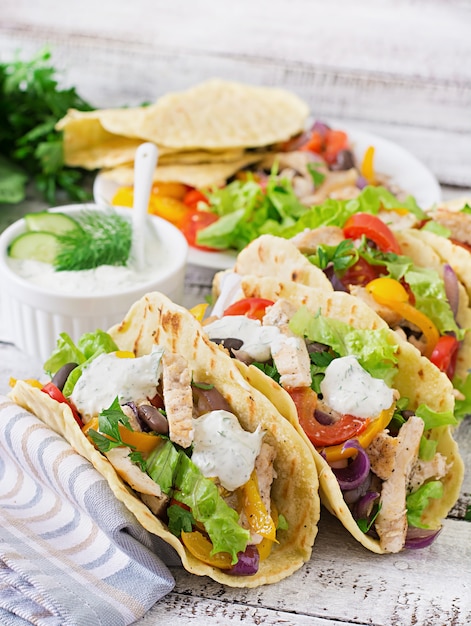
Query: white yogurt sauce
349	389
103	279
109	376
258	339
222	448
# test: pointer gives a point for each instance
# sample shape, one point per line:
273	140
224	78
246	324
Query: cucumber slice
45	221
39	246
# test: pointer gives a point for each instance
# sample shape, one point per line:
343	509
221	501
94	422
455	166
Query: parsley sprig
109	437
31	103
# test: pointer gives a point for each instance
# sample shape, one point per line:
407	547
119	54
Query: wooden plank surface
393	67
397	68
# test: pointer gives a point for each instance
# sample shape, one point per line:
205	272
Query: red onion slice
364	506
451	287
417	538
248	562
356	472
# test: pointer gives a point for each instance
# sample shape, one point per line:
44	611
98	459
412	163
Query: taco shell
155	320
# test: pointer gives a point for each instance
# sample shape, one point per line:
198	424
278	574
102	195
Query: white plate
404	170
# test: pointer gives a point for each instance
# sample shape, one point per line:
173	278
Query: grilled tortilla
156	321
415	378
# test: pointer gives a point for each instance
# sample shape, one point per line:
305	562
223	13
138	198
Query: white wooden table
398	68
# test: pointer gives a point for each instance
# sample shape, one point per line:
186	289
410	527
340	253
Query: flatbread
156	320
198	175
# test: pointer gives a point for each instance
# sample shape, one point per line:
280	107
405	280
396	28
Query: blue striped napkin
71	554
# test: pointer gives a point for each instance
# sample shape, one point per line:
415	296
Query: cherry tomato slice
250	307
373	228
360	273
193	223
56	394
445	353
193	197
323	435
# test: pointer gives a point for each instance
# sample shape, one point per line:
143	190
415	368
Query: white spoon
144	166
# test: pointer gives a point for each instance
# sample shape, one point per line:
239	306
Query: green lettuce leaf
463	405
433	419
88	347
207	506
417	502
373	348
430	298
336	212
245	212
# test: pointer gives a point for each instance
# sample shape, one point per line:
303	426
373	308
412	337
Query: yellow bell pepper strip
389	292
200	547
336	453
125	354
30	381
257	515
142	442
265	546
367	166
199	310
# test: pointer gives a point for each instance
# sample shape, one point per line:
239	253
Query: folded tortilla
416	378
156	321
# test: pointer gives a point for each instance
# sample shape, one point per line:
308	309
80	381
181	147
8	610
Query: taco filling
381	449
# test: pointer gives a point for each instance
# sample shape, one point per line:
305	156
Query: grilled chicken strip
290	355
391	523
307	241
178	398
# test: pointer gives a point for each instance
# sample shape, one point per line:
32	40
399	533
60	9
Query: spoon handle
145	162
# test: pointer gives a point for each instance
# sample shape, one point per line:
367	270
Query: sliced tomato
56	394
335	141
193	223
360	273
445	353
462	244
323	435
250	307
193	197
373	228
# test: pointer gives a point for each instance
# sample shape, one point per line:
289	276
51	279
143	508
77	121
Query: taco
200	457
396	273
377	413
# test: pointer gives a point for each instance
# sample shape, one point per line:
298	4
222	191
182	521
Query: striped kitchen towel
71	554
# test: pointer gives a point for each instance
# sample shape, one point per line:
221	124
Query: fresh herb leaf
109	436
269	369
104	238
179	519
137	458
365	525
341	257
204	386
31	103
282	523
317	176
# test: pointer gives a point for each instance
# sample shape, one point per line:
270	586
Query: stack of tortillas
204	135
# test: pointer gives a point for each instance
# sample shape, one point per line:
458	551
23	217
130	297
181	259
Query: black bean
153	418
60	377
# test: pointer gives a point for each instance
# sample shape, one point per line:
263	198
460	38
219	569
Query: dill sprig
104	238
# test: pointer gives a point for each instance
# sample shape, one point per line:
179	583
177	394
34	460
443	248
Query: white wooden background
398	68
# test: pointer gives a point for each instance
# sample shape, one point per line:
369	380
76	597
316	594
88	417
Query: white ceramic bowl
33	316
